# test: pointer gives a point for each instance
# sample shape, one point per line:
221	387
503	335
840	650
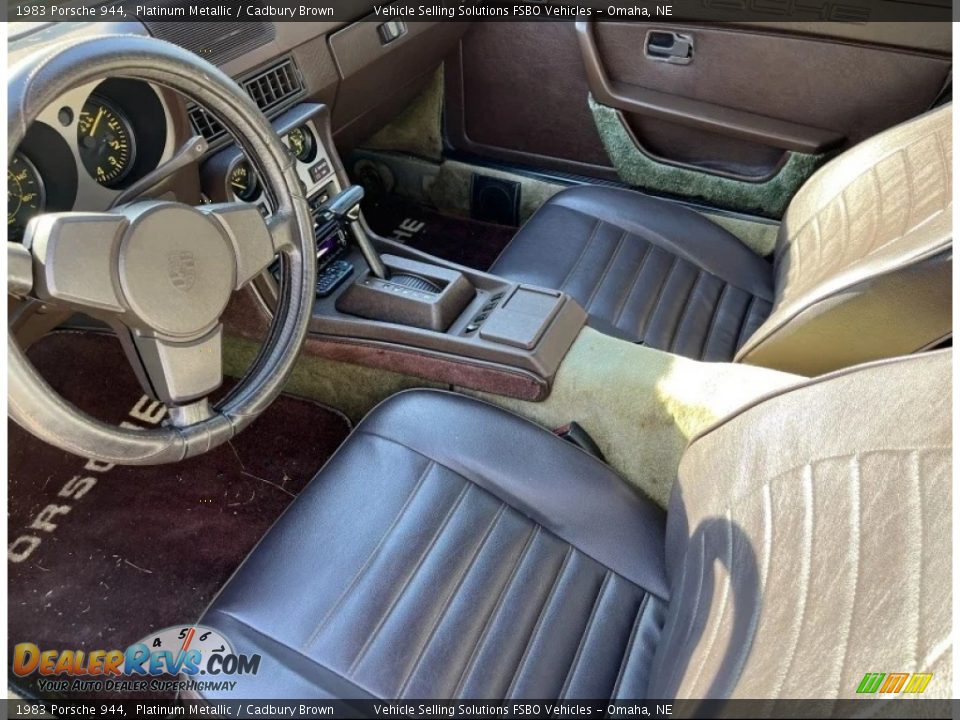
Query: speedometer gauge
25	195
106	142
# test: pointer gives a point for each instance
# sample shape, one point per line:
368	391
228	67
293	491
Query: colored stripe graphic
894	683
871	682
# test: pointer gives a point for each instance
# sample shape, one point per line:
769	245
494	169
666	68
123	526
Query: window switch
391	30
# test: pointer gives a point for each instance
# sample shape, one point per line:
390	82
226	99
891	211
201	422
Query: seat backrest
864	256
809	541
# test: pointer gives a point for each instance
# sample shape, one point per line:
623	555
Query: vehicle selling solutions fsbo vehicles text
518	11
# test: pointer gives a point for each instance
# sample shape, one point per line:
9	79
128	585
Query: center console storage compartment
418	294
522	318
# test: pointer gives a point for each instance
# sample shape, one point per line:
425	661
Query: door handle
670	47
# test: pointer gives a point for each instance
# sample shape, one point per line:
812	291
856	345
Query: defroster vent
215	40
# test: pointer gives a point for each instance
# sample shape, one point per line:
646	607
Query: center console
383	304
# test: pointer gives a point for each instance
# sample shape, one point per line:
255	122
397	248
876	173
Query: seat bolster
554	483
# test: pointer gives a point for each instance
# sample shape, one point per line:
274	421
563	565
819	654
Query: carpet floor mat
100	557
471	243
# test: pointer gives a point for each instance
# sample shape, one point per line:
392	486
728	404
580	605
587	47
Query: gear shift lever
345	207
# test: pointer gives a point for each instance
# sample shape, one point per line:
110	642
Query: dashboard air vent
216	41
204	123
271	89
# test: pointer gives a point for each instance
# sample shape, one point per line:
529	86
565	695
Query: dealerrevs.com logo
202	657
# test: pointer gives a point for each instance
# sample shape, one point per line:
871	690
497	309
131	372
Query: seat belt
574	433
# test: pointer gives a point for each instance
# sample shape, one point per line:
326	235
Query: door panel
741	126
840	89
517	92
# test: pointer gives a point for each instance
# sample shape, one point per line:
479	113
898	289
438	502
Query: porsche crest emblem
182	270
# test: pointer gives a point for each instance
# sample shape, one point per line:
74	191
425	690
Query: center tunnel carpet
467	242
100	558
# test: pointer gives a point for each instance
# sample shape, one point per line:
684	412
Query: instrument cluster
85	149
243	180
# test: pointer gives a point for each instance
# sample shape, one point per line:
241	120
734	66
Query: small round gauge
26	196
106	142
243	182
302	143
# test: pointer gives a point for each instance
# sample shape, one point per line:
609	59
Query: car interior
492	360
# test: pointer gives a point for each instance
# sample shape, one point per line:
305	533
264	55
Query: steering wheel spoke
19	270
283	229
254	241
74	260
176	372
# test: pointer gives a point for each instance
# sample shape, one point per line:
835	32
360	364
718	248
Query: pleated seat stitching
625	660
651	316
688	302
632	285
406	583
744	321
606	270
585	634
536	628
450	598
504	591
373	554
711	328
580	257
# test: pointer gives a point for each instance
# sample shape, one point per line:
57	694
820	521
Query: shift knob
344	205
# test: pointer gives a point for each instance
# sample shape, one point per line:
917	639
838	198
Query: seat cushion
450	548
645	270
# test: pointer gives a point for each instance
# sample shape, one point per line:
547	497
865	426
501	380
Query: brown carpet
467	242
127	551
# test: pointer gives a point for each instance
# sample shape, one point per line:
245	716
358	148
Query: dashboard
98	140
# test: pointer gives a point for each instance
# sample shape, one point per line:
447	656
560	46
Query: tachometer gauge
106	142
243	182
302	144
25	195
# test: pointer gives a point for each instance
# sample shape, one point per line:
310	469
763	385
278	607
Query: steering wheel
161	272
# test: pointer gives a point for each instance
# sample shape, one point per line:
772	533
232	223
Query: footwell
100	556
461	240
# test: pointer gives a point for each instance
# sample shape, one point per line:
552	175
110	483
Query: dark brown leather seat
645	270
451	549
862	267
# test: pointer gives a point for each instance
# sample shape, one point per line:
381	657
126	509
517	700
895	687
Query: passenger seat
861	271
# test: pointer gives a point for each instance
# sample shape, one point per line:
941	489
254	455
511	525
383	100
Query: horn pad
177	268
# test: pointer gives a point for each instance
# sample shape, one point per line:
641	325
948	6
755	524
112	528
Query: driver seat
452	549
